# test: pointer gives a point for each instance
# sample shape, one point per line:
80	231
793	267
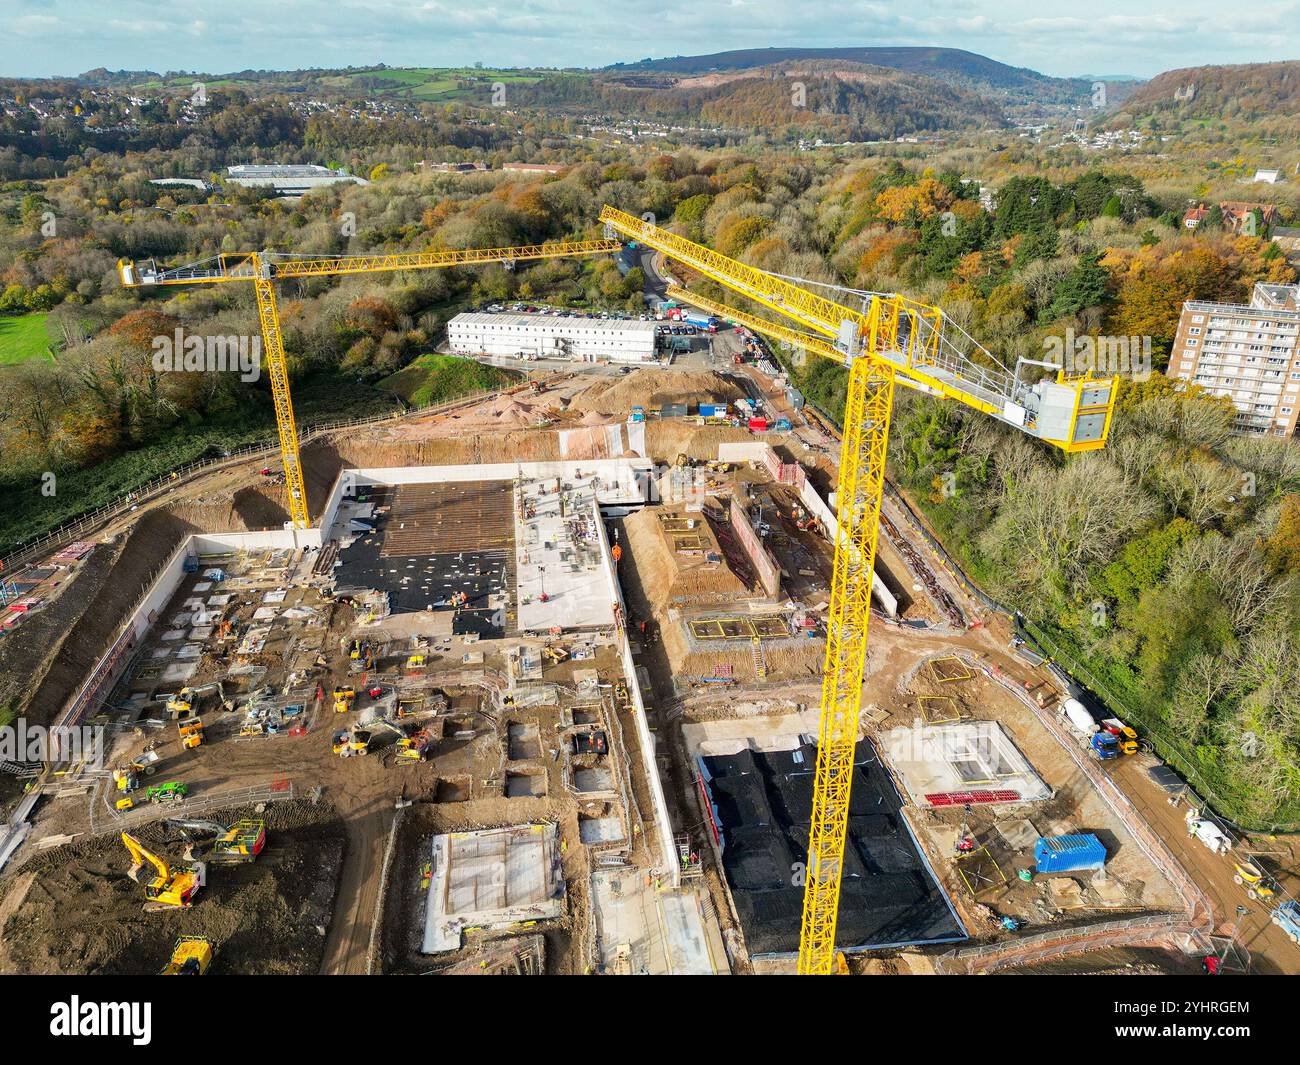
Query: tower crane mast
887	340
263	269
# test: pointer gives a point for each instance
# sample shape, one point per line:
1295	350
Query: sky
1083	37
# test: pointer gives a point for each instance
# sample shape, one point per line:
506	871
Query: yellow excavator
192	956
218	844
166	890
183	703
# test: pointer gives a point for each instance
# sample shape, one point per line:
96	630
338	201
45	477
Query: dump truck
344	698
1257	881
352	741
127	776
190	731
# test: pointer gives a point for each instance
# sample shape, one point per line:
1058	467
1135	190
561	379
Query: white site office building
551	336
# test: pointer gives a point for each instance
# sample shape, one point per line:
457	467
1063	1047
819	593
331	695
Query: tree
1283	546
738	232
1084	286
912	204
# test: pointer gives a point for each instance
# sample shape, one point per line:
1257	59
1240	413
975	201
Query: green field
438	378
417	83
434	83
22	338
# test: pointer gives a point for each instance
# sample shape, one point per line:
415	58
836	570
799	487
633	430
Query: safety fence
1162	929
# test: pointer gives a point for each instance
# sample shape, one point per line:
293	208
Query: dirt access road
1271	952
347	942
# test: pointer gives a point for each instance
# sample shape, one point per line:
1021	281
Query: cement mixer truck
1078	719
1100	742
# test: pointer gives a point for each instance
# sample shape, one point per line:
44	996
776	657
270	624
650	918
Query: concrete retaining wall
769	573
649	764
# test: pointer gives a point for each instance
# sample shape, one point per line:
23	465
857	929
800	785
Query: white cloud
1105	36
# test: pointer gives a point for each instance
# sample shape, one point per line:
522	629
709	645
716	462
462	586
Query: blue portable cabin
1068	854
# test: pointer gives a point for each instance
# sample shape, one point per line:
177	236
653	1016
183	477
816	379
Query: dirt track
347	945
1271	952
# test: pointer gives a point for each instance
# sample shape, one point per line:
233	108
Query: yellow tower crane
885	340
263	269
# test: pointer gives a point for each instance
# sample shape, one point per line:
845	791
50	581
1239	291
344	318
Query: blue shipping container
713	410
1066	854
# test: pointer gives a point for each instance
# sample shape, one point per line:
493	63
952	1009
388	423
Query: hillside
851	101
953	65
1267	94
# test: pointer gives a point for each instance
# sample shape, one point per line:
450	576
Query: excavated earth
73	909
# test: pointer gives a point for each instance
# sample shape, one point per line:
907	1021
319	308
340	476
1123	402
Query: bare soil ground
73	909
55	659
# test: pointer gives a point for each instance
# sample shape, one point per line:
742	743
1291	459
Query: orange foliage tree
913	204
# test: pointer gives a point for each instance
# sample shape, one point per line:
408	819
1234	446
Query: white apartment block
1250	354
551	336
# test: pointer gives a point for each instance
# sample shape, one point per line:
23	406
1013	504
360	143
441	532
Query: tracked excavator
182	704
167	889
218	844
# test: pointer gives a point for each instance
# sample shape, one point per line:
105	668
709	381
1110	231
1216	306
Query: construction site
577	758
540	686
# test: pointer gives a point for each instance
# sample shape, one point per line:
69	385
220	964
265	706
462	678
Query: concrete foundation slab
959	762
493	878
643	931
